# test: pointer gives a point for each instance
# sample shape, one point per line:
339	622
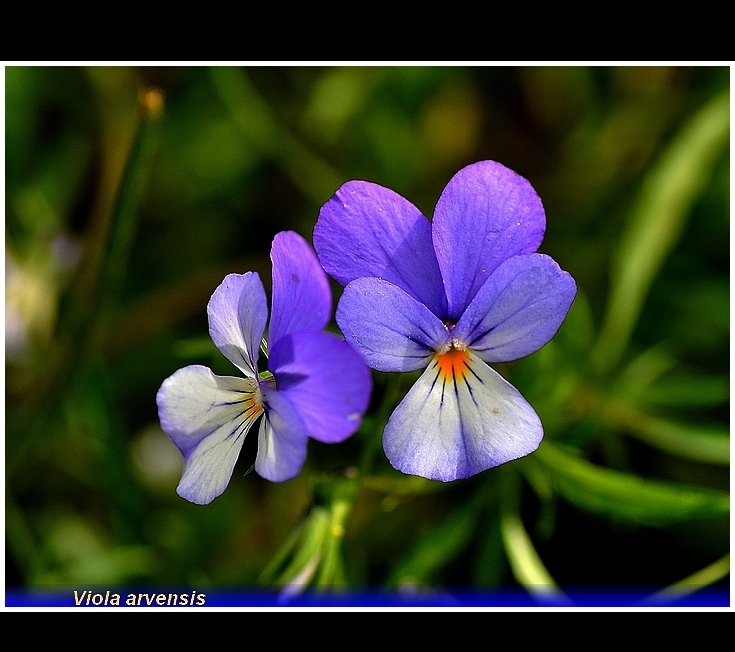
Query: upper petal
368	230
326	382
282	439
518	309
486	214
460	418
237	314
207	417
302	299
390	329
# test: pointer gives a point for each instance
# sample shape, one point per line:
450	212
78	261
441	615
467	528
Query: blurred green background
132	191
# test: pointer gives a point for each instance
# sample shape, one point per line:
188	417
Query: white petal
458	420
282	439
207	417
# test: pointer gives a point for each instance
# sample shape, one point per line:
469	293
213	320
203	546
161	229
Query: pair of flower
450	295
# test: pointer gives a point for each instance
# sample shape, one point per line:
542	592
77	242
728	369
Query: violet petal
302	299
518	309
485	215
325	380
390	329
282	439
368	230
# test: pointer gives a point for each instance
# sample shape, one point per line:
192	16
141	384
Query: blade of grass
527	567
690	585
436	548
657	218
261	127
699	443
625	496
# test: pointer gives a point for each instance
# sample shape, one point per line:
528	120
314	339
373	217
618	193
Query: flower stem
391	387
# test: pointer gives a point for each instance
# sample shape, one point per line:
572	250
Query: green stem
345	492
391	387
121	227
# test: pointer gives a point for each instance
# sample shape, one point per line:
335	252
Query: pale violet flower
449	295
315	384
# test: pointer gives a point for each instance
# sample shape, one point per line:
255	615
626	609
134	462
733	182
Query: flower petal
237	314
460	419
390	329
486	214
282	439
518	309
302	299
325	381
207	417
368	230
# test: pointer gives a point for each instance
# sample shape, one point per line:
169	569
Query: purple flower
316	385
451	295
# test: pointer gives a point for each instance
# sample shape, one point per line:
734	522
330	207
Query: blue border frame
103	597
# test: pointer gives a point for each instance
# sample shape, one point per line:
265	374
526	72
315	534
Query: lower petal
282	439
207	417
460	418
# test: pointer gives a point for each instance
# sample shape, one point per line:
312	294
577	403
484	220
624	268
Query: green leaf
689	391
195	348
667	195
307	550
626	496
699	443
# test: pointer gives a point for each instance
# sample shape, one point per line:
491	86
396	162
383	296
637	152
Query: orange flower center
253	405
452	363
